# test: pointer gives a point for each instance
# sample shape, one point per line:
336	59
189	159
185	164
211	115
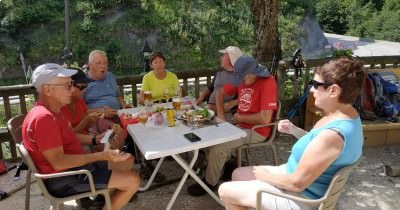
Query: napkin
126	121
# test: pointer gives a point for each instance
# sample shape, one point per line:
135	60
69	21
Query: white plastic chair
268	141
14	126
328	201
58	203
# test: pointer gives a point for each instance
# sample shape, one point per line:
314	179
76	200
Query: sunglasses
66	86
80	87
316	84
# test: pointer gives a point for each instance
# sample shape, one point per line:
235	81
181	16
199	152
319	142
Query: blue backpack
386	88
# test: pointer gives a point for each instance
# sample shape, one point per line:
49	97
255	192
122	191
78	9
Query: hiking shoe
196	190
229	167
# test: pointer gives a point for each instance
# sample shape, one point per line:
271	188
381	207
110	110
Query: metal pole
66	18
67	52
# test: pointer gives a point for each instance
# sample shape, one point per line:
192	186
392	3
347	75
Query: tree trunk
265	16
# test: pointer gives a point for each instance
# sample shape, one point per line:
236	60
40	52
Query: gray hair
94	52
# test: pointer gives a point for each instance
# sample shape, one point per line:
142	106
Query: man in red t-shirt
53	146
257	100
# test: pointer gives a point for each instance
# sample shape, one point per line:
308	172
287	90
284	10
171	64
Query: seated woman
77	112
159	81
335	142
84	122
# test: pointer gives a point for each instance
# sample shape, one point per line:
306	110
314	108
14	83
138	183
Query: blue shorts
71	185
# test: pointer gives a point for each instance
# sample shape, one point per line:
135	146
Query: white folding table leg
178	159
153	175
189	171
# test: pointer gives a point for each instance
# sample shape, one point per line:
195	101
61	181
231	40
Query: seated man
257	101
51	142
222	77
102	94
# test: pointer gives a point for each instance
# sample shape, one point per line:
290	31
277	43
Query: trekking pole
296	107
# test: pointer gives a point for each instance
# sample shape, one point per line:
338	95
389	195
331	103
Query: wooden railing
25	95
299	84
190	84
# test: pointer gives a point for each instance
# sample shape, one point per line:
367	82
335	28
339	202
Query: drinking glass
178	91
143	115
148	100
176	103
166	94
192	119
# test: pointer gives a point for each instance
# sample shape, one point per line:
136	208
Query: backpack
365	103
368	95
386	89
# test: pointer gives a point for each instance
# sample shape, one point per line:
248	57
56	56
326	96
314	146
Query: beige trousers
218	155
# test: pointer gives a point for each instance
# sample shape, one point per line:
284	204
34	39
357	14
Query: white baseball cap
47	72
233	52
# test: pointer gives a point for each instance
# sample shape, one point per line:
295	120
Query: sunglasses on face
316	84
80	87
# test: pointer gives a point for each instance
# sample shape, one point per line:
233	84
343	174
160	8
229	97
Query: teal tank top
351	130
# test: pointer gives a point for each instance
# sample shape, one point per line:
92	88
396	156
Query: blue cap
247	65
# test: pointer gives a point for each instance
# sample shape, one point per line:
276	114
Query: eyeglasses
80	87
316	84
66	86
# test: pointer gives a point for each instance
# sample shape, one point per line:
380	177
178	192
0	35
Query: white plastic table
162	141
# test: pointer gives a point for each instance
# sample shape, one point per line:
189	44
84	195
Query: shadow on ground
368	187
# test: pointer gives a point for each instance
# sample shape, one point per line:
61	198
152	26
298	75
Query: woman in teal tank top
335	142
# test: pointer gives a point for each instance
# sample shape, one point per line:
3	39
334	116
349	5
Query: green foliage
193	31
3	9
89	14
188	32
25	15
342	53
8	82
8	57
367	22
332	15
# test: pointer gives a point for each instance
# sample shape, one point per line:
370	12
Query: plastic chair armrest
284	195
263	125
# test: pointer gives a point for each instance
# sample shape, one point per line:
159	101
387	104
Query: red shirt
43	130
254	98
80	111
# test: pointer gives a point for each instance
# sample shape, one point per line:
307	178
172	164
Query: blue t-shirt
351	129
100	93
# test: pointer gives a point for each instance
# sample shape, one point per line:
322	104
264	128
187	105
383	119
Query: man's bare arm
262	117
219	98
